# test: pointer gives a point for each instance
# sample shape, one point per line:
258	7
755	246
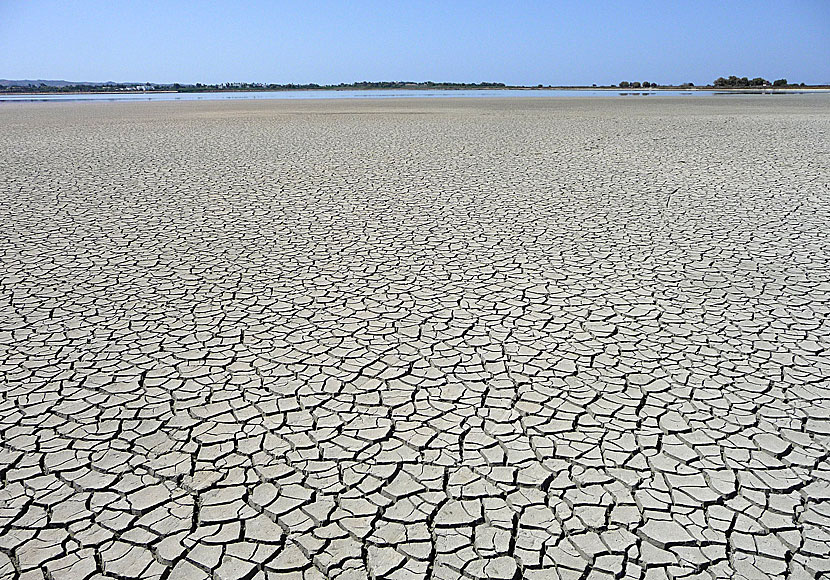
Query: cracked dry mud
436	339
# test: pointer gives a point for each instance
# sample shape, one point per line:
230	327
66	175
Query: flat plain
407	339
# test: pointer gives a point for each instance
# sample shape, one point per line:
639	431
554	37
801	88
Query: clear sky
531	42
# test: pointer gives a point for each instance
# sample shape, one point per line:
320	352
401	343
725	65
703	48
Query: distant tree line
734	81
637	85
356	85
721	82
79	88
200	87
744	82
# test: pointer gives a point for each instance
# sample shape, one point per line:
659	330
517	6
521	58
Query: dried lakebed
536	338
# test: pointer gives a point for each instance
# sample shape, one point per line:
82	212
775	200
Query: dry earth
403	339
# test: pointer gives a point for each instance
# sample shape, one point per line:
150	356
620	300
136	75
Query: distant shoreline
738	90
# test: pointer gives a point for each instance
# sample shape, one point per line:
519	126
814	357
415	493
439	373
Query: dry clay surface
415	339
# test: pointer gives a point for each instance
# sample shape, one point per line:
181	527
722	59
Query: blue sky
560	43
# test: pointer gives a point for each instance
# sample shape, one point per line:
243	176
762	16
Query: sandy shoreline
415	338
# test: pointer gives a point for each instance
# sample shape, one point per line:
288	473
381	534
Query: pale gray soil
415	339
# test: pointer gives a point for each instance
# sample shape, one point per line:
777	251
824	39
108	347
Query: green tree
780	83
